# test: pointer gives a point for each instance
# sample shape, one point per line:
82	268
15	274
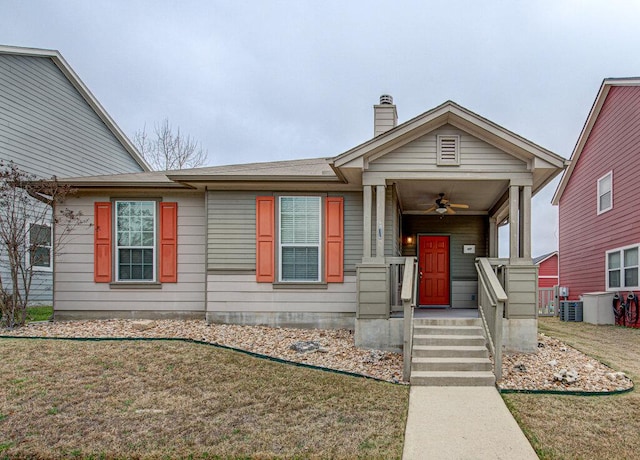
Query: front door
433	262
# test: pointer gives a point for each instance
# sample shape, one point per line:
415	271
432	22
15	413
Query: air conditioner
570	311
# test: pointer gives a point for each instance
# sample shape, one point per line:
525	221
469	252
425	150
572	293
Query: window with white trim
605	192
448	150
622	268
40	249
135	240
299	241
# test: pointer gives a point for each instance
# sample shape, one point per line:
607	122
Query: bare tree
165	150
29	211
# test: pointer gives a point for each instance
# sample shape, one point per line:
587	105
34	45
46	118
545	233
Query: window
448	150
622	268
135	240
299	238
40	249
605	193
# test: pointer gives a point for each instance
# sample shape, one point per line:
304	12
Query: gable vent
448	150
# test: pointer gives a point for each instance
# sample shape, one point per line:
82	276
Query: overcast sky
273	80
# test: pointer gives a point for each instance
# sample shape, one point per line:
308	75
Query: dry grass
71	399
571	427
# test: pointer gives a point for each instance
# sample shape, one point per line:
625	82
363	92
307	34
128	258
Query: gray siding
231	233
76	292
475	155
47	128
522	291
240	293
231	230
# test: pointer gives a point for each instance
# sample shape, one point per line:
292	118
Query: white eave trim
75	80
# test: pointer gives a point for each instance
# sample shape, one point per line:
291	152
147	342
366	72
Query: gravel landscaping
555	366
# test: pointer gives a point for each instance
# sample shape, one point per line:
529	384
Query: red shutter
265	239
334	239
168	242
102	242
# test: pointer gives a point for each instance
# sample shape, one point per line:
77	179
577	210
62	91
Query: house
318	242
597	198
547	269
51	124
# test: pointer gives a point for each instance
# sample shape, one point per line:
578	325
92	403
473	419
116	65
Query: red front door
433	262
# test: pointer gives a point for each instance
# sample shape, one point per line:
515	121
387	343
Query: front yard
595	427
158	399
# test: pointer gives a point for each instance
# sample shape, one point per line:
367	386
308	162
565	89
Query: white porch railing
408	296
491	301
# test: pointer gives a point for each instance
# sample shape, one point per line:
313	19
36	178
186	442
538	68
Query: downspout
206	248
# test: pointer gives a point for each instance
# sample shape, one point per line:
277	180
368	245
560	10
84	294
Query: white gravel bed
559	367
335	349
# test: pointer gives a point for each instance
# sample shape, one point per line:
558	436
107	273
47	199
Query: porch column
380	205
493	237
525	222
366	222
514	199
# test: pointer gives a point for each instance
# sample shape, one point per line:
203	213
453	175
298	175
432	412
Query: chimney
385	116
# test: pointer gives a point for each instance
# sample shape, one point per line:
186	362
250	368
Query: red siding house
599	194
547	269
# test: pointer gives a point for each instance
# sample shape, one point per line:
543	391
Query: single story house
317	242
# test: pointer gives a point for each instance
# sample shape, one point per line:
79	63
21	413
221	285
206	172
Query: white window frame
305	245
40	268
622	268
118	247
447	137
601	193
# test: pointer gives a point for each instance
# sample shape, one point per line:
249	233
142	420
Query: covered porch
435	191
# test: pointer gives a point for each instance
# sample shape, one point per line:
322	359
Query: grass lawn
40	313
593	427
71	399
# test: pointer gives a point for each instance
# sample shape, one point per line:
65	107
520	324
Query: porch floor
438	313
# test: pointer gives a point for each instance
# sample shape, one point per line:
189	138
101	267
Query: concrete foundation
380	334
72	315
520	335
301	320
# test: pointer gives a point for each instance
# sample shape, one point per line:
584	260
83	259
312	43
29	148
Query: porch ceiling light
441	210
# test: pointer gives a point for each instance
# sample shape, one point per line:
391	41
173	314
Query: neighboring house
547	269
598	196
316	242
51	124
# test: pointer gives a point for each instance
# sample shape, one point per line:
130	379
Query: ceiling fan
442	206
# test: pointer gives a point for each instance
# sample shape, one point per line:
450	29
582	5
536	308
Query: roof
540	259
141	179
313	169
316	169
451	112
601	97
75	80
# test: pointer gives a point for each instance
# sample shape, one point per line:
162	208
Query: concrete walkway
462	423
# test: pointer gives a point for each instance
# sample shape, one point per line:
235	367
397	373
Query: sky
278	80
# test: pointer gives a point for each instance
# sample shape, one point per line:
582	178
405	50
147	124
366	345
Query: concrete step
447	351
448	340
420	329
451	378
447	322
463	364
